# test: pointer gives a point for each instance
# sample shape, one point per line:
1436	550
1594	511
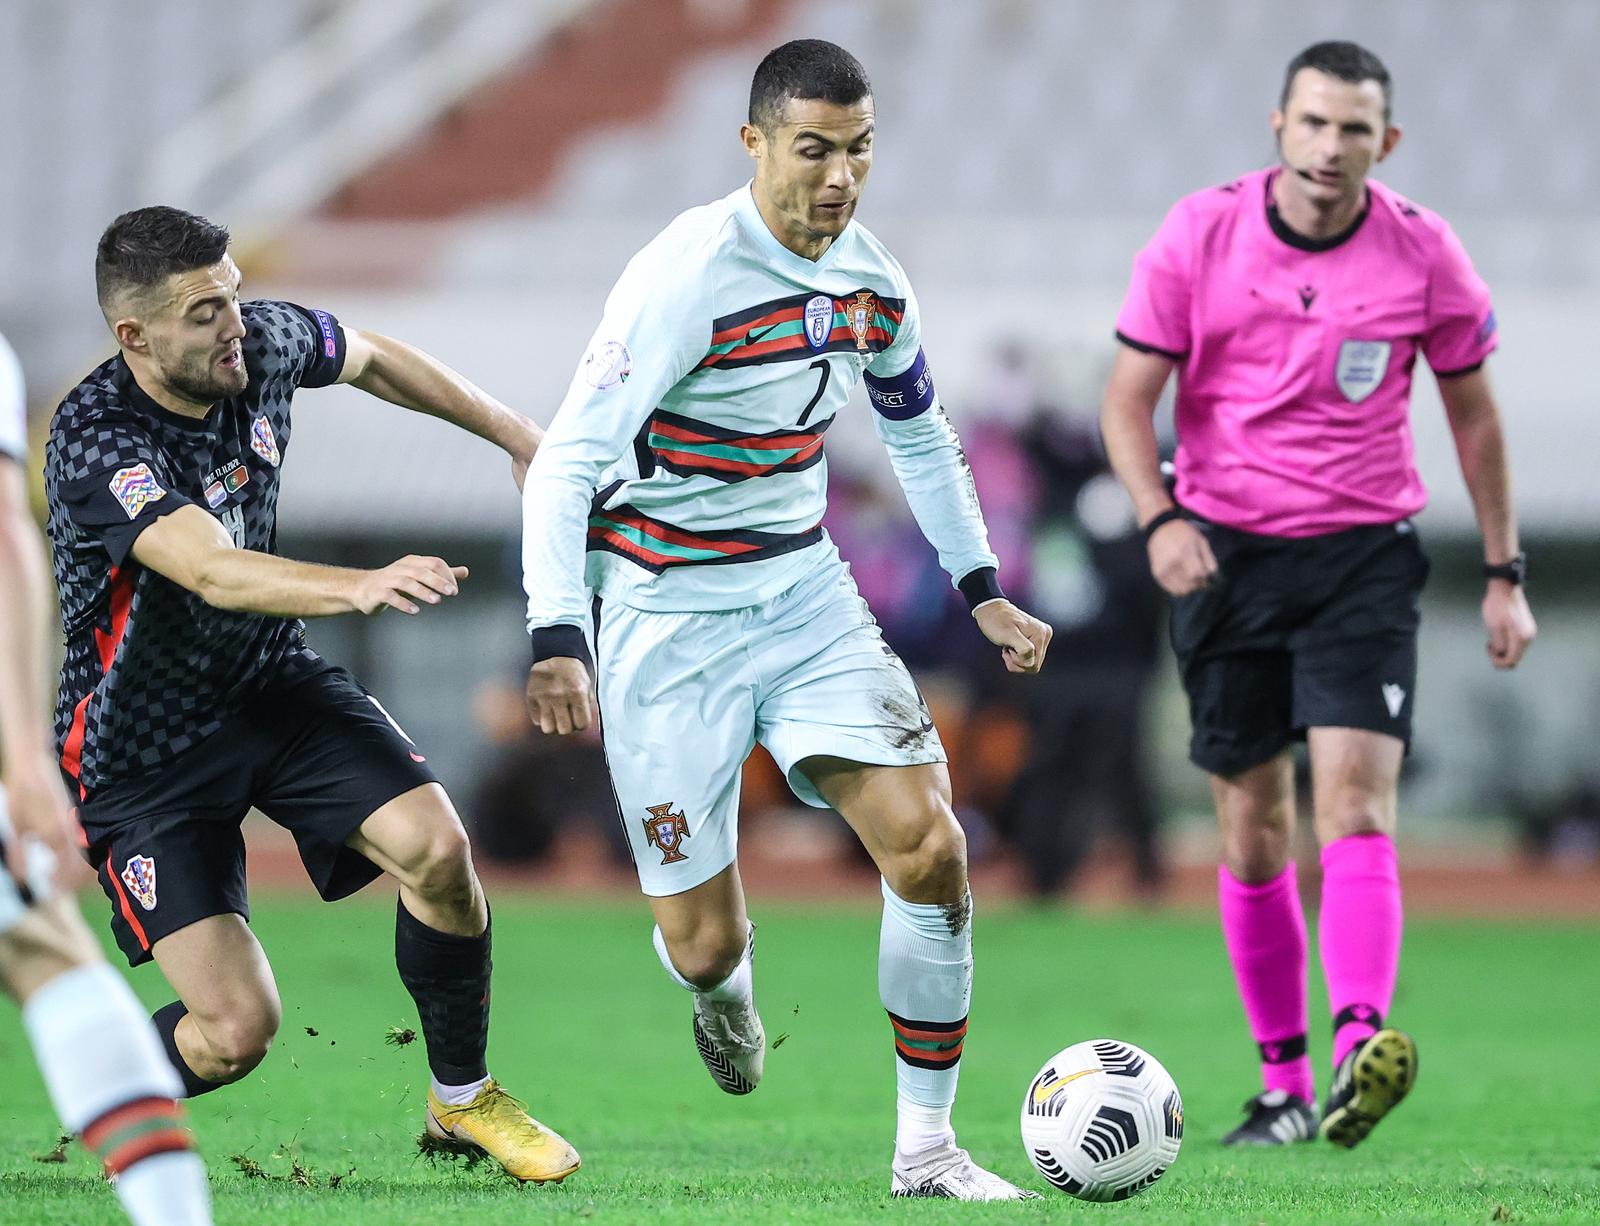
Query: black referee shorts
1298	633
317	755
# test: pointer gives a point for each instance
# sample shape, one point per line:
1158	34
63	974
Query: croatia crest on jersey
263	442
665	831
1360	368
136	488
819	321
139	875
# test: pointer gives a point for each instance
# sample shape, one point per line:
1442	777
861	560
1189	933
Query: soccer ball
1102	1120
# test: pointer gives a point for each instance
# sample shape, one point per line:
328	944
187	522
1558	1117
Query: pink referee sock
1359	933
1265	931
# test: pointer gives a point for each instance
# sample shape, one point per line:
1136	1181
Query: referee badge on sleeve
1361	367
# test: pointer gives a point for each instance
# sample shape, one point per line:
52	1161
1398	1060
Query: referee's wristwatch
1514	572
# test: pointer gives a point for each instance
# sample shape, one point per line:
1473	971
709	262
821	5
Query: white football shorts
684	697
40	863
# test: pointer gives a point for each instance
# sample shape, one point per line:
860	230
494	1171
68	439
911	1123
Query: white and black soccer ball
1102	1120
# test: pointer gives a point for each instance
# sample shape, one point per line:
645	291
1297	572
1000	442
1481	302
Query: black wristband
1158	520
979	586
560	640
1514	572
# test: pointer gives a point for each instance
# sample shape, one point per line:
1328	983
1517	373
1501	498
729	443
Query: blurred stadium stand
472	174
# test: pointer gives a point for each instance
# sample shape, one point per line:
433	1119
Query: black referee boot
1275	1117
1372	1078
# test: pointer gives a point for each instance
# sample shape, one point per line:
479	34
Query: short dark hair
144	247
1348	61
805	68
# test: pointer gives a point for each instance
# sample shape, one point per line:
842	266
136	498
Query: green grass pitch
1502	1125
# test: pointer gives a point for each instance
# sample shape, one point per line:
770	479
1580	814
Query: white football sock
738	986
99	1053
166	1190
457	1096
925	983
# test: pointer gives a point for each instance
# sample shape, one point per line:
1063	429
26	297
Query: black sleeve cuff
1143	347
562	640
980	585
1459	371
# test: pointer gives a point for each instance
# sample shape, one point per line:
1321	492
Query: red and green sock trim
934	1045
136	1131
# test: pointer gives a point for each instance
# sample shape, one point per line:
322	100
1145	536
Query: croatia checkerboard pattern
150	668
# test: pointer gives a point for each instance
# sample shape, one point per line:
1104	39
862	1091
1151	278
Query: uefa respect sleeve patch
135	488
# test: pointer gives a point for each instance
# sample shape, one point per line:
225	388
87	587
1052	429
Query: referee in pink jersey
1293	303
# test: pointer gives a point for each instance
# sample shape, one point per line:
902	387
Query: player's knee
1255	852
935	865
240	1041
443	872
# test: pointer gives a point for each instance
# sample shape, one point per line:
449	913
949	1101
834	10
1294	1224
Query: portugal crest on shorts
263	442
666	830
1361	368
861	311
139	875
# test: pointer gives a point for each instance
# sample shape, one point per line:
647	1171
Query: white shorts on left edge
40	868
684	697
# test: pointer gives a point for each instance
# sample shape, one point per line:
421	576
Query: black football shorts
316	754
1299	633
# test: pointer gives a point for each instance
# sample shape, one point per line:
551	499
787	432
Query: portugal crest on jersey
263	442
139	875
861	311
819	321
1361	368
666	830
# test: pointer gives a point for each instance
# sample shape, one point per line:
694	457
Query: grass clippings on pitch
1501	1126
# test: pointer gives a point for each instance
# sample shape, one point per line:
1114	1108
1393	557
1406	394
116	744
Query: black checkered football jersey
151	669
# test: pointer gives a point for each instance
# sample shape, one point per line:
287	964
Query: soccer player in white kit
682	483
102	1062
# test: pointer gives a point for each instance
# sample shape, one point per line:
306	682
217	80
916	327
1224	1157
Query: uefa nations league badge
1361	368
819	321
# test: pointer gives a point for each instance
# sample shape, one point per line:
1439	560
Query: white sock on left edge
110	1081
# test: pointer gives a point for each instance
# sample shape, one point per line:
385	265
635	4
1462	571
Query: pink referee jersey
1295	355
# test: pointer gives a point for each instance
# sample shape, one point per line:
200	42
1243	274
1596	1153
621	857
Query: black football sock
166	1019
448	977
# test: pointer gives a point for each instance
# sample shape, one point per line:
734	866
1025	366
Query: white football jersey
13	405
685	471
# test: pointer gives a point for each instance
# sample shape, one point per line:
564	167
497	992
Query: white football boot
950	1172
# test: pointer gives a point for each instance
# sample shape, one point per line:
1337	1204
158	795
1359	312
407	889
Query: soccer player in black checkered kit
188	693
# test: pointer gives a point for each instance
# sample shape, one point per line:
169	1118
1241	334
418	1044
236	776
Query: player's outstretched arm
37	801
404	375
1180	558
1481	448
192	549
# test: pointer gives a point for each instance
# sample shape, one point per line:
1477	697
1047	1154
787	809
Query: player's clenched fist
1021	637
401	584
1180	558
558	695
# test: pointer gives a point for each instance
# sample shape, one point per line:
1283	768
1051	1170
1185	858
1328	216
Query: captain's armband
904	396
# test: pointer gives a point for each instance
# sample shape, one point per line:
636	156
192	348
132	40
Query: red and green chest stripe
802	325
657	545
688	447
